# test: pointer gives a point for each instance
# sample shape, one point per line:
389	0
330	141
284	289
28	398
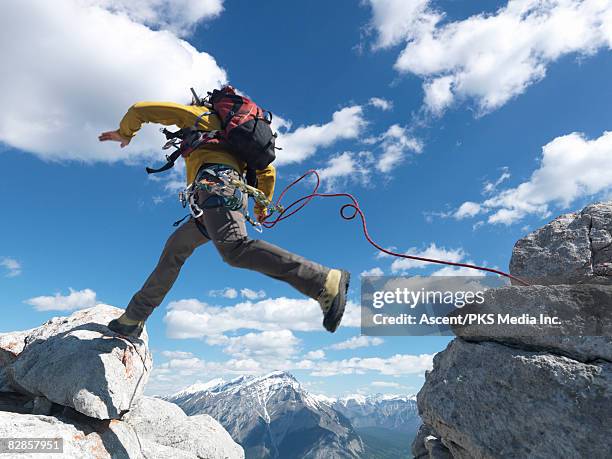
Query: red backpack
245	130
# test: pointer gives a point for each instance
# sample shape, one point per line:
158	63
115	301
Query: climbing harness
357	210
225	191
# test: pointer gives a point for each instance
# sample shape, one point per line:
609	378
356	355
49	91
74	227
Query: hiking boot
125	326
333	298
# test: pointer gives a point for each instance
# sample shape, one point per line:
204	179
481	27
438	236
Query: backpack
245	131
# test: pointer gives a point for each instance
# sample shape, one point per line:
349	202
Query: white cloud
194	319
383	104
399	364
490	187
315	355
232	293
489	58
252	294
458	271
467	209
275	345
178	16
338	166
177	354
12	266
72	79
258	353
304	141
438	94
572	167
227	292
373	272
433	251
356	342
80	299
398	20
346	167
395	144
386	384
186	370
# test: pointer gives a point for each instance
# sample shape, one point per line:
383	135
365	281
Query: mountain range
274	416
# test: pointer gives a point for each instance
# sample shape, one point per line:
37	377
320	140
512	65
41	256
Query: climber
221	224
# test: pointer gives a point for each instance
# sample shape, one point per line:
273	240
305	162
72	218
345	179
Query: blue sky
457	134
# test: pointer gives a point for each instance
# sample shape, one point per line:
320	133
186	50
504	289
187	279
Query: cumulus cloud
467	209
187	370
395	144
489	58
373	272
397	365
433	251
227	292
315	355
11	265
572	167
177	354
391	384
398	20
490	187
383	104
356	342
80	299
301	143
178	16
346	167
72	79
252	294
194	319
275	345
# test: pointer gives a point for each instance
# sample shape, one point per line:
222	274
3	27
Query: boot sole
332	319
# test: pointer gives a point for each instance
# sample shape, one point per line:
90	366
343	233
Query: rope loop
357	211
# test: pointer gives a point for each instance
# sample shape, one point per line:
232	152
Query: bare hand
114	136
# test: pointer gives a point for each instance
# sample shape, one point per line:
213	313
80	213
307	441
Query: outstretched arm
166	113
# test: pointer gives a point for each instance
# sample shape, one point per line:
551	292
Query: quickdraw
228	190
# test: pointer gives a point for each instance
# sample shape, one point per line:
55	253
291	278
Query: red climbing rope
355	205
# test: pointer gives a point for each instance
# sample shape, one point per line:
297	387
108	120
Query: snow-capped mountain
392	412
273	416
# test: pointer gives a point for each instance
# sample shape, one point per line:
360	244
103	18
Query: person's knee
233	253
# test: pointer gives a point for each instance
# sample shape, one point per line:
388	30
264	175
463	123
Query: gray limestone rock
164	423
573	248
489	400
76	361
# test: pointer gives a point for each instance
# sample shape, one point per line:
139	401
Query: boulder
585	312
72	378
11	345
573	248
77	362
160	422
106	440
489	400
427	445
532	389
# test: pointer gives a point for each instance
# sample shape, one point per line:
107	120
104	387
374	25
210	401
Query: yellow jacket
170	113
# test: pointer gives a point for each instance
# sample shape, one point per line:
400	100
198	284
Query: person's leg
178	248
227	229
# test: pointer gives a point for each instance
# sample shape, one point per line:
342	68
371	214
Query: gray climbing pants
227	230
